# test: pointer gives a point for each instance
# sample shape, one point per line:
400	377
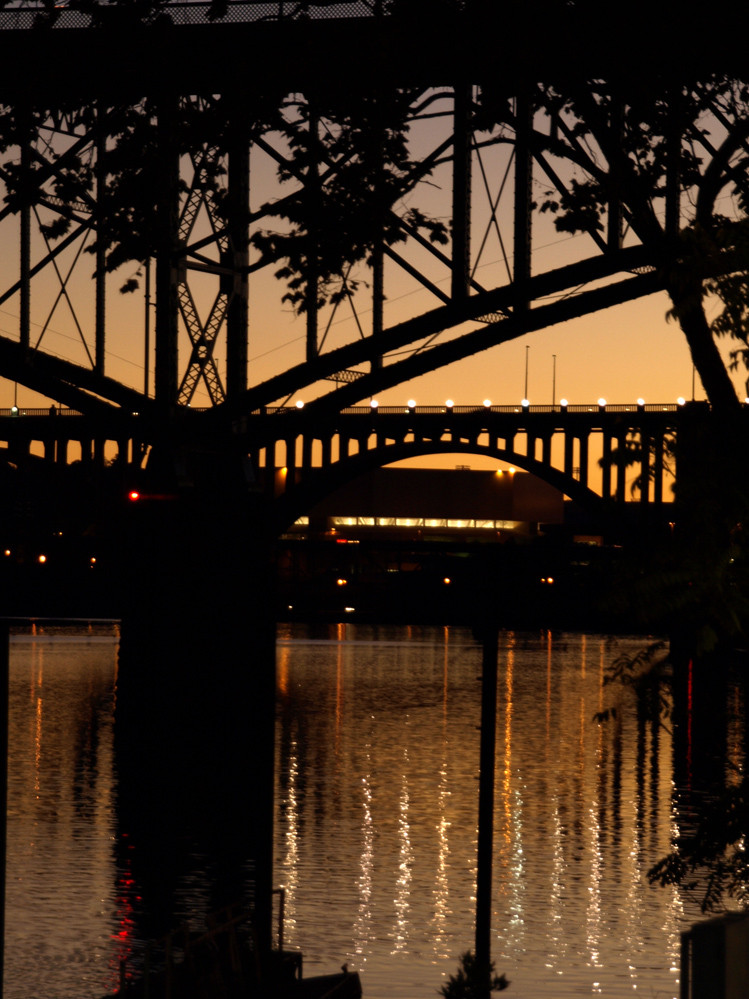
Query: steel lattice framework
212	92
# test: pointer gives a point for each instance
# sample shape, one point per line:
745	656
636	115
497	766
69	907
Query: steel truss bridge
202	157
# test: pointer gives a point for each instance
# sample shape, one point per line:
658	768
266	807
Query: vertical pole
615	214
490	642
25	220
523	201
147	330
378	249
4	721
167	275
461	208
378	299
237	318
101	264
313	233
553	379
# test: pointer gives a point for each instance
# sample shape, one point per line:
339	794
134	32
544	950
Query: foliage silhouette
470	980
664	157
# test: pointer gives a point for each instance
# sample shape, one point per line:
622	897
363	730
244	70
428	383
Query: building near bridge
428	545
432	503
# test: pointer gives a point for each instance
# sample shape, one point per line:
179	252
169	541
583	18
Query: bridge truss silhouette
225	122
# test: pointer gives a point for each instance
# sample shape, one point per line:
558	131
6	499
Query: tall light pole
553	380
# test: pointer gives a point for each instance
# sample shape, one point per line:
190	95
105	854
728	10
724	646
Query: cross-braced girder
448	193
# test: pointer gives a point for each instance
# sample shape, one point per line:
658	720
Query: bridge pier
196	694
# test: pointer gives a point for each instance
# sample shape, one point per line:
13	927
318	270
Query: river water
375	828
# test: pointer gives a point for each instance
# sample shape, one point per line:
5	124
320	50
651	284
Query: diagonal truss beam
498	301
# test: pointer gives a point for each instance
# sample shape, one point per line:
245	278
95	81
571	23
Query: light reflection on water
66	925
377	802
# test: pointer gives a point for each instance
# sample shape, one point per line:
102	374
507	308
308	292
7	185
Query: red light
133	494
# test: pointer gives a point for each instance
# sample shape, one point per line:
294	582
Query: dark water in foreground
376	798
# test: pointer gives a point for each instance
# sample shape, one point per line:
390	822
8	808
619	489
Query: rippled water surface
376	805
62	918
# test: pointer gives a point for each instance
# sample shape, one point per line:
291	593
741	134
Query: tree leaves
350	158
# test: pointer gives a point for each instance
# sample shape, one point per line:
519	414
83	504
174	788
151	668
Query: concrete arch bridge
591	453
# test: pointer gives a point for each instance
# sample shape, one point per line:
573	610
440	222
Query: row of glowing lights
525	403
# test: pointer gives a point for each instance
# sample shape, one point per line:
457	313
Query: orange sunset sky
624	353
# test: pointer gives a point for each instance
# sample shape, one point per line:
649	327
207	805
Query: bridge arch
558	445
313	485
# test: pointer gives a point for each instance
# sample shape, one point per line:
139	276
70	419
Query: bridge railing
436	410
15	412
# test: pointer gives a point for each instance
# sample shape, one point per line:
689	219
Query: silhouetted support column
621	476
101	266
290	460
584	459
490	644
238	195
658	469
378	248
606	467
645	468
313	192
378	299
167	276
196	694
307	442
461	209
25	234
569	444
615	215
523	199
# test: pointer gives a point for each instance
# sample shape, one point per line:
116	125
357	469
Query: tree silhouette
662	162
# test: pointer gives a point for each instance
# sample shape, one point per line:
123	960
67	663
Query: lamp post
525	393
553	379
